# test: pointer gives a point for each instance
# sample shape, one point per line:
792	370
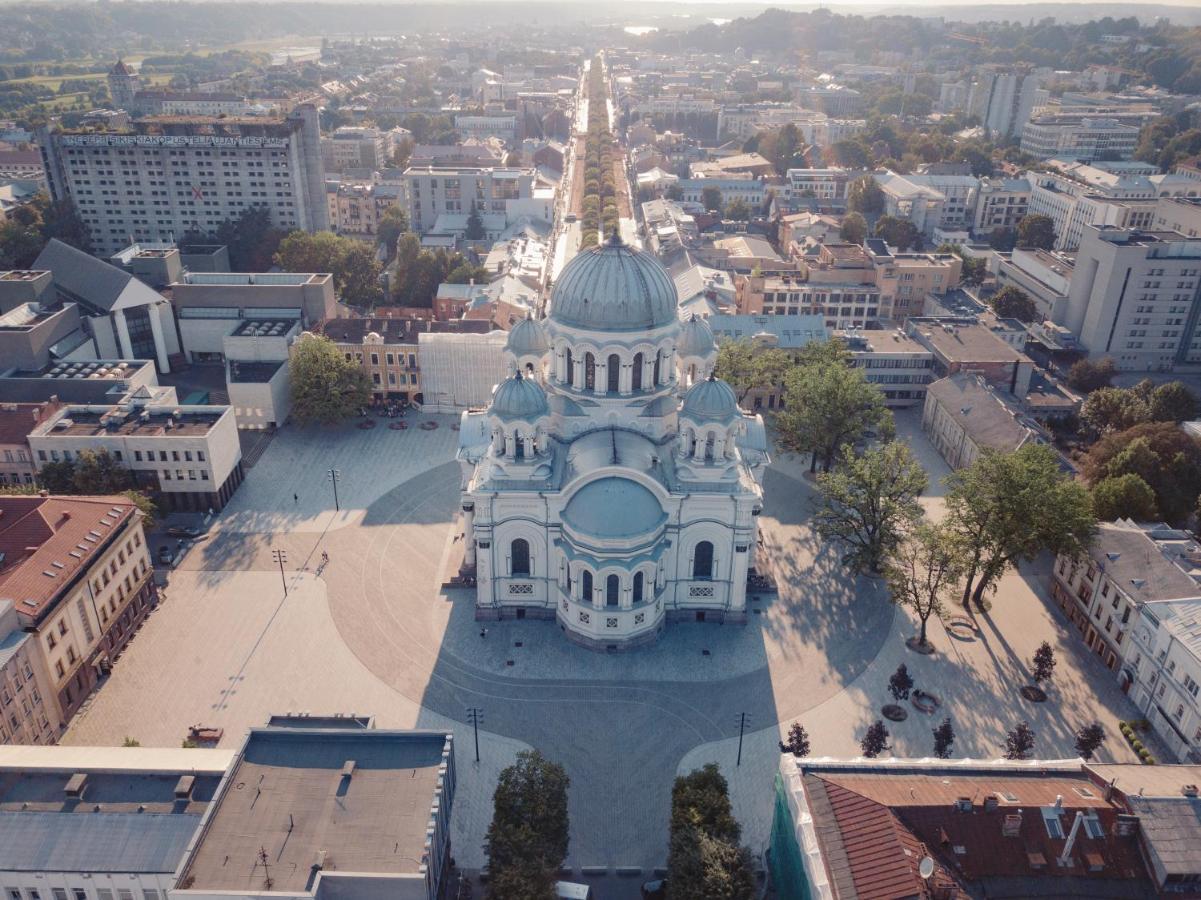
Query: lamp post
334	476
281	557
474	715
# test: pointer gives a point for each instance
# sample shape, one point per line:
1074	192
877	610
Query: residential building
846	829
1000	203
22	165
480	128
1045	277
192	103
26	716
1135	600
188	456
751	191
353	209
906	279
16	421
832	99
745	120
100	823
1136	297
508	194
704	291
1083	137
125	318
828	186
930	201
964	415
173	175
79	574
969	345
754	165
323	790
209	306
843	303
356	147
1004	101
1179	214
798	232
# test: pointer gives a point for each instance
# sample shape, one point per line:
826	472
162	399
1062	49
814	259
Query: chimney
1012	826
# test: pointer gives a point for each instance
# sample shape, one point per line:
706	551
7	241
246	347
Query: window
586	587
59	893
79	893
570	369
613	371
1190	685
612	590
702	560
519	557
589	372
636	375
638	581
149	894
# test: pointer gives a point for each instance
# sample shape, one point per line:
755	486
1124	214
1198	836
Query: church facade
613	483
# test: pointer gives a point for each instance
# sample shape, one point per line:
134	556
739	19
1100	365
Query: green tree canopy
392	224
1124	497
853	228
527	841
899	233
326	387
1013	303
704	856
1087	375
711	198
865	196
747	368
352	263
1161	454
1036	231
737	210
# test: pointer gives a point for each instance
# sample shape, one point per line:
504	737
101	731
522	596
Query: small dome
527	337
696	338
518	398
614	287
711	400
613	508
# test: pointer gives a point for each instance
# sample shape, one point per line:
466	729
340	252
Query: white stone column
578	365
469	537
560	366
625	383
527	447
156	329
124	344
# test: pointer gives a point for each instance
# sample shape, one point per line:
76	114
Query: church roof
613	507
696	339
527	336
711	400
518	398
614	287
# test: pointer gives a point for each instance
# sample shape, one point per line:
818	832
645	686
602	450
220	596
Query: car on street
185	531
165	555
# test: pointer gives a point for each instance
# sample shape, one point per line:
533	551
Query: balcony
609	624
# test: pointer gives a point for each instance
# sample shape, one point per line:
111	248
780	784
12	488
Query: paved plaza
372	632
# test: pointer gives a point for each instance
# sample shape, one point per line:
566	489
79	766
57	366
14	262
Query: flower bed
894	713
925	702
1128	732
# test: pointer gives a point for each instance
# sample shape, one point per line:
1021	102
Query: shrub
1138	747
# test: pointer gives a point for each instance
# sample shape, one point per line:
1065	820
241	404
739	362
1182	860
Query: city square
373	632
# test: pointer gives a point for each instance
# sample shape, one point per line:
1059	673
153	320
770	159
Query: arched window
636	375
518	446
586	587
570	369
519	557
702	560
589	372
612	590
692	374
614	373
709	447
638	579
658	360
529	370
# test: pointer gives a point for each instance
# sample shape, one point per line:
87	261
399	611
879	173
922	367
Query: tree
1089	739
1124	497
326	386
1110	409
798	741
392	224
737	210
1019	743
145	506
527	842
944	739
1003	239
131	742
900	683
466	273
747	368
870	501
352	263
865	196
704	856
1161	454
1173	402
1086	375
475	225
711	198
1044	663
1036	231
828	404
923	571
98	472
899	233
853	228
1008	507
875	740
1013	303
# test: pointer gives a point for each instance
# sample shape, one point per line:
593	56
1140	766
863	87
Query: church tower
123	86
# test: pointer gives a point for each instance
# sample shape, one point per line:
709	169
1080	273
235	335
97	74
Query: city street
372	632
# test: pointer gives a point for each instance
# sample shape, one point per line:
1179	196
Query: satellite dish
926	867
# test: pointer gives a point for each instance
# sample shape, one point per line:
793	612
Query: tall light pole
334	477
742	717
281	557
474	715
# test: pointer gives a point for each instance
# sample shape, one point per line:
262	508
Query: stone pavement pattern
373	633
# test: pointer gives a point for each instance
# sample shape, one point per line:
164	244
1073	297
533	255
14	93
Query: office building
1001	203
78	573
975	346
1079	196
508	194
1136	298
16	421
751	191
1045	277
171	175
827	186
327	809
188	456
1082	137
1179	214
351	147
480	128
35	327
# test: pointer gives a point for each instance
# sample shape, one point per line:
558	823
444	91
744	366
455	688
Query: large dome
696	339
614	287
527	337
518	398
613	507
711	400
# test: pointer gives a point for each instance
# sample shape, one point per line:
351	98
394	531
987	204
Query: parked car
654	890
165	555
185	531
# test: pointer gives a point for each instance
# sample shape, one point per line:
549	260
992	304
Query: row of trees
416	273
95	473
528	839
29	227
352	263
600	158
705	854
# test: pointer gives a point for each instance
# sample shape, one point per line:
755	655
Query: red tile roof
47	541
18	419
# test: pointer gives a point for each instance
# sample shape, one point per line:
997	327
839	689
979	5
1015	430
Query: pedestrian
296	498
483	632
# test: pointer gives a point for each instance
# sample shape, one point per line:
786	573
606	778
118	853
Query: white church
613	483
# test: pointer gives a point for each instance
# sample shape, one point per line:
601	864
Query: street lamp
281	557
334	476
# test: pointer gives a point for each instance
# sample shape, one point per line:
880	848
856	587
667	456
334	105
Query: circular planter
913	644
961	628
1033	693
398	426
924	702
366	424
894	713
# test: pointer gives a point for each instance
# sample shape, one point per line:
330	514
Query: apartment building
1076	136
964	415
1000	203
1179	214
1135	296
170	175
828	186
509	193
26	715
351	147
1077	198
1045	277
1135	601
832	99
188	456
78	573
906	279
353	209
16	421
1004	101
